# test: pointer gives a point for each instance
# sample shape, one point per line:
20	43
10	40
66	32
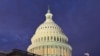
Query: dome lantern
48	15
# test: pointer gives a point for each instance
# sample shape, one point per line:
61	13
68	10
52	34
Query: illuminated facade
49	40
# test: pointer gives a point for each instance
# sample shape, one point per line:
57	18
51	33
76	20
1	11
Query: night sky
79	20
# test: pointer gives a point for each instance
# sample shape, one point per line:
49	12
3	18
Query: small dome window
54	38
45	27
51	38
60	40
44	38
41	28
57	39
48	38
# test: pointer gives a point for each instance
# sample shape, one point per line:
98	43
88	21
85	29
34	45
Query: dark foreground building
16	52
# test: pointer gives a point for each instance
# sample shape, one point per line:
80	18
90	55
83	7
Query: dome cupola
48	15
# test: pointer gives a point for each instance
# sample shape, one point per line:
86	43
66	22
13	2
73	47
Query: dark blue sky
79	19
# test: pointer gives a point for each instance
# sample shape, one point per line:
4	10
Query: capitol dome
49	40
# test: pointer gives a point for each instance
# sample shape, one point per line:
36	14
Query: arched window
45	27
54	38
48	38
41	28
51	38
57	38
44	38
60	40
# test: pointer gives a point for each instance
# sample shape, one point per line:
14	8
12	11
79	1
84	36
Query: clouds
78	19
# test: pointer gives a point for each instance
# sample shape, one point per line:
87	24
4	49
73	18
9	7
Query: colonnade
51	51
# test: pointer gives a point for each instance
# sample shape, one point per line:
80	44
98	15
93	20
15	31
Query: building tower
49	40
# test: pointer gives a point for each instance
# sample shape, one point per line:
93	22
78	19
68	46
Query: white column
42	50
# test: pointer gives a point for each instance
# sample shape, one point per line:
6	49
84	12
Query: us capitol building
49	40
